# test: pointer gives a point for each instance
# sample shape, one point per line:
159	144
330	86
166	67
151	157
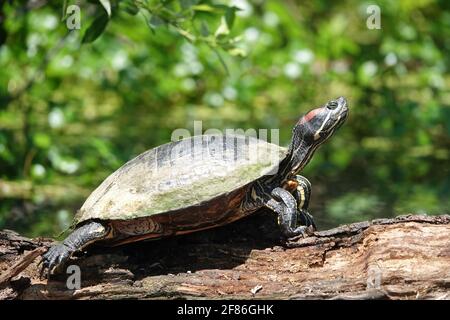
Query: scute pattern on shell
181	174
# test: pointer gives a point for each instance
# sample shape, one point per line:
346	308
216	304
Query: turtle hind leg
79	238
284	203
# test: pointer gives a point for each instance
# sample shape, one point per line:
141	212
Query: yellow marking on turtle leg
301	192
254	195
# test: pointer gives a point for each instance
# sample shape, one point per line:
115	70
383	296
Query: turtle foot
54	257
306	219
299	232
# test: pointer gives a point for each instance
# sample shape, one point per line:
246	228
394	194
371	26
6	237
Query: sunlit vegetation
76	105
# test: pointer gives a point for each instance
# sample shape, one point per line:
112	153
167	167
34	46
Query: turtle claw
300	231
42	269
307	219
54	257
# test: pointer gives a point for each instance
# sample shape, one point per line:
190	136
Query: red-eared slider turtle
203	182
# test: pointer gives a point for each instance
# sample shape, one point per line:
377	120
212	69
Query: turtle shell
180	175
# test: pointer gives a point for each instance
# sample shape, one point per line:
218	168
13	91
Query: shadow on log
403	258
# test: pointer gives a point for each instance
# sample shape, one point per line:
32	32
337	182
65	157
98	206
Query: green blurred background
71	112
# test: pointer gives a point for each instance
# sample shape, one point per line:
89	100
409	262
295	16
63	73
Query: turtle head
319	124
313	129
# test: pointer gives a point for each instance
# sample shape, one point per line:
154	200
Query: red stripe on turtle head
310	115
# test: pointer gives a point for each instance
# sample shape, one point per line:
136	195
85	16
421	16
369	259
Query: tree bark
403	258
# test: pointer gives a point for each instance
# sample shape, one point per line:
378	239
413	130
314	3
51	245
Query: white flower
369	68
251	34
50	22
189	52
304	56
120	60
196	67
214	99
68	167
33	41
181	70
292	70
229	93
390	59
66	61
56	118
38	170
271	19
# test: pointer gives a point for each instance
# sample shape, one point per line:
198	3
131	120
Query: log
407	257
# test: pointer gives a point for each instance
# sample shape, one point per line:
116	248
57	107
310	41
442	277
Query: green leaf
222	62
230	14
129	7
237	52
64	11
186	4
107	5
155	21
95	29
223	29
204	29
204	8
185	34
41	140
168	15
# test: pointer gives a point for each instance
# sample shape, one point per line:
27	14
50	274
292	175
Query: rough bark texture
403	258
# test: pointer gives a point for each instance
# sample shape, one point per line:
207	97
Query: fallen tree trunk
403	258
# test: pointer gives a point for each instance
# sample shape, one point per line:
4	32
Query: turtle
202	182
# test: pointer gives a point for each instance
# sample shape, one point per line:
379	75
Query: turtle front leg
78	239
302	193
284	203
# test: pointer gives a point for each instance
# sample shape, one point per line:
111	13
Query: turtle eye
332	105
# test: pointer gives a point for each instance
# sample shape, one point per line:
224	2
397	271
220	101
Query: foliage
76	105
